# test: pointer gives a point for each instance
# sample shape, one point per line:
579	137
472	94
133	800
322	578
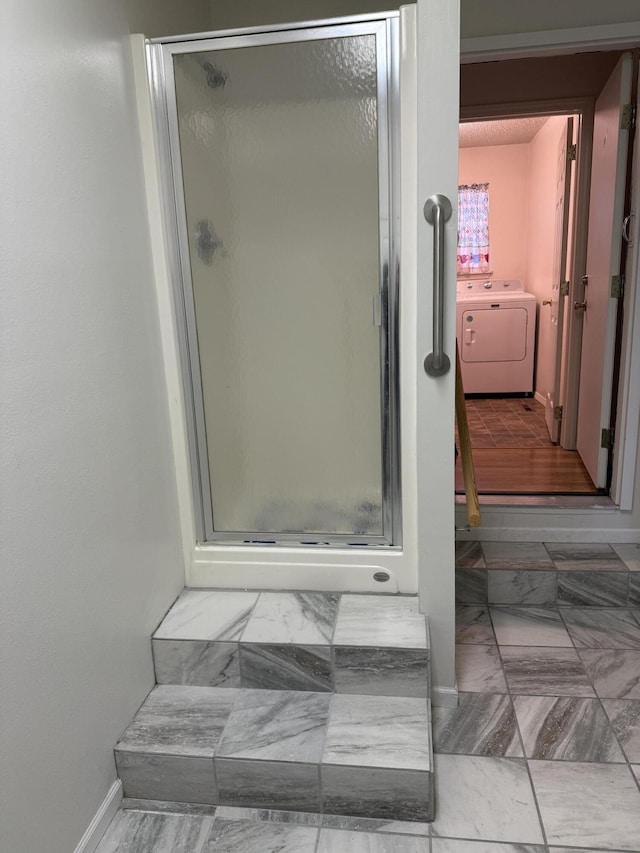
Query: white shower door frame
225	558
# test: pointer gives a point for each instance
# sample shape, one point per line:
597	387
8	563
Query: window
473	229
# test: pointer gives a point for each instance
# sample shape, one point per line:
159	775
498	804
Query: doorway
541	166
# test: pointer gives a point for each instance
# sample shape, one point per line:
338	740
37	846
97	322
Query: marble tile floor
328	642
534	573
519	768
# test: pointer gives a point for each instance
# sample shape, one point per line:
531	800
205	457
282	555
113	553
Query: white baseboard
540	398
101	819
444	697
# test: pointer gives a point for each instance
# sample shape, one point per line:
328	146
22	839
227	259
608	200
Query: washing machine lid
496	289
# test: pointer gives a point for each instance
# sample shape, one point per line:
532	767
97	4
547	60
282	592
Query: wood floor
513	454
529	471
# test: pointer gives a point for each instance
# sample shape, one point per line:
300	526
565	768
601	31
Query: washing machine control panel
489	286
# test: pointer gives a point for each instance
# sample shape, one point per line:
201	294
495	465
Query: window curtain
473	228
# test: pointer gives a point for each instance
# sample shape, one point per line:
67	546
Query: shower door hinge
557	413
606	439
564	288
572	153
617	287
628	117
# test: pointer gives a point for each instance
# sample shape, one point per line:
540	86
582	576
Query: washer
495	326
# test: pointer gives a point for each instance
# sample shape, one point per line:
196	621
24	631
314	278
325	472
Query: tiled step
321	642
360	755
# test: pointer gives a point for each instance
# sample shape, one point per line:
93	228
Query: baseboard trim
541	399
608	535
444	697
101	819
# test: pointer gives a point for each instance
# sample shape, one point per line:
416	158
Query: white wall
499	17
92	553
250	13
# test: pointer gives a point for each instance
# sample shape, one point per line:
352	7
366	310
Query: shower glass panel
280	153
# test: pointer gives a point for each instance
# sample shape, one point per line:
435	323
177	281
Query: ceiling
510	131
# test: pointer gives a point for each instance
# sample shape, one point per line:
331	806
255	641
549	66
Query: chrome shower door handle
437	210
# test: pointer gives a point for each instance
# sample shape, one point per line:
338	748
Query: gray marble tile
471	586
247	836
473	625
517	556
274	725
378	731
597	589
545	671
196	662
345	841
455	845
172	778
368	824
268	784
574	557
384	672
381	620
482	724
301	618
204	614
480	798
615	672
469	555
479	670
180	720
602	629
591	805
286	667
270	815
377	792
625	719
630	556
522	587
635	769
136	831
634	590
167	806
566	728
529	626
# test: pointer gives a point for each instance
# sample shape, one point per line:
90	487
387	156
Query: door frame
567	42
162	84
339	568
572	332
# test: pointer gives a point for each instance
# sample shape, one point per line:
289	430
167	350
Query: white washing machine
495	326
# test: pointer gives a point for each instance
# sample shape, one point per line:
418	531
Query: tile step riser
536	587
370	792
331	669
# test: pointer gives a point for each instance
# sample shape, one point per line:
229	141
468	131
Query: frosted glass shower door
279	144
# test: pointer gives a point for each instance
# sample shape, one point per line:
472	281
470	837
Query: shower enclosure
281	212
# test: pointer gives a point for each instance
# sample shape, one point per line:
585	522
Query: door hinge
564	288
617	287
628	117
557	413
606	439
572	153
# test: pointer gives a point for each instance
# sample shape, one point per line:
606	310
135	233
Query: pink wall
506	168
541	242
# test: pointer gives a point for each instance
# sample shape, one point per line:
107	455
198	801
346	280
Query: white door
556	309
606	211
